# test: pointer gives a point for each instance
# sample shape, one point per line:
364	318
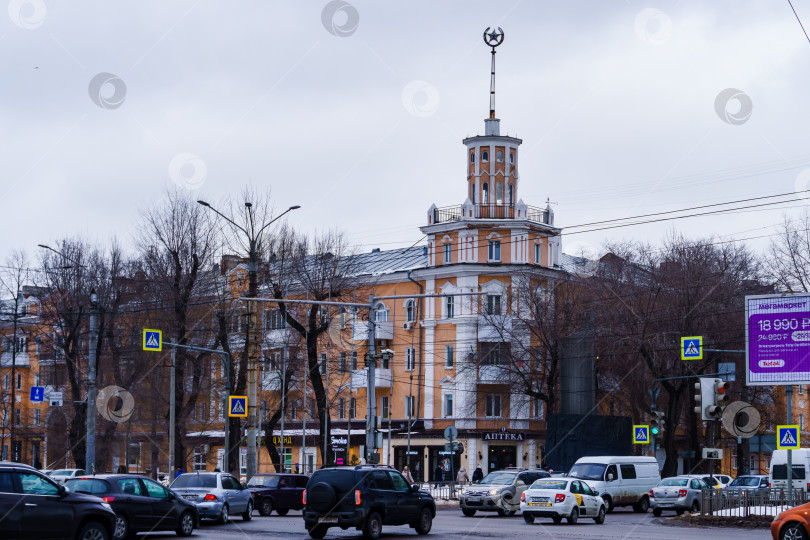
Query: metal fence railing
745	503
442	490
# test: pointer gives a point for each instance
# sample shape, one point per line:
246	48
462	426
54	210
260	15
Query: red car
792	524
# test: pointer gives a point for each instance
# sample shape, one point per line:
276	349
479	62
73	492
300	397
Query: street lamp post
253	237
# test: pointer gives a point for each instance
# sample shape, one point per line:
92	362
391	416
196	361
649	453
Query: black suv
34	506
365	497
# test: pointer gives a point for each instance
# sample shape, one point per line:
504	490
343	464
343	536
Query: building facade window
472	157
199	458
410	409
492	354
384	410
323	363
342	361
449	360
537	407
410	311
494	251
485	191
410	359
449	307
342	408
448	405
499	193
499	156
354	359
275	320
448	253
17	417
485	156
380	313
353	408
493	304
512	158
384	363
36	417
537	254
492	407
511	195
6	379
19	381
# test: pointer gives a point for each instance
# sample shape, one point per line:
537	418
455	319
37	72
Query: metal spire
493	39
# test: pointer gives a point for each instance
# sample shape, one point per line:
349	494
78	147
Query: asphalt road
450	523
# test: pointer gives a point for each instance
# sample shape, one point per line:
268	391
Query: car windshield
747	481
678	482
195	481
263	481
588	471
62	472
498	478
87	485
550	484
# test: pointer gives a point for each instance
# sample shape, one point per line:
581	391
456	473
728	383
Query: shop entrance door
501	457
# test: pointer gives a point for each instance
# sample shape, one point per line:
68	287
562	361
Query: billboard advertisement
777	337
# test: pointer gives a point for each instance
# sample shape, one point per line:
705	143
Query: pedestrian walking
438	476
461	478
478	475
179	471
406	473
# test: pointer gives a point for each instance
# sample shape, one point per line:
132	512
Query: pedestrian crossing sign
692	348
787	438
237	406
152	340
641	434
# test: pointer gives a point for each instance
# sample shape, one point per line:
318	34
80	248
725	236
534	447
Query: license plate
190	497
665	505
474	499
540	504
328	519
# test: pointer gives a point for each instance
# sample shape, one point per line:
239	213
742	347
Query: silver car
498	491
216	494
678	493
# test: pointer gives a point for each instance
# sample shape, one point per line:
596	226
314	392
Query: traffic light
657	423
720	398
712	397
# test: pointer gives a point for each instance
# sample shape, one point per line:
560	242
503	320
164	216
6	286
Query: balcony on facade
383	330
494	328
489	211
382	378
491	374
21	359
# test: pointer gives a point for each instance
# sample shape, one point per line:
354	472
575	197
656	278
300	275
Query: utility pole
789	396
254	239
90	455
172	419
371	407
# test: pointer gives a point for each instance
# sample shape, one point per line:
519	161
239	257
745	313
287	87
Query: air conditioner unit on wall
408	325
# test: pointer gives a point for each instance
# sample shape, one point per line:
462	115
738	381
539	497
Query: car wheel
679	512
248	514
373	526
425	521
609	503
695	507
93	531
657	512
282	511
318	531
572	519
557	519
793	531
266	507
501	513
600	517
121	530
528	518
186	525
642	506
467	512
224	516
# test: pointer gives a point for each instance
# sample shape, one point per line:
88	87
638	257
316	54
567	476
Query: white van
620	480
801	469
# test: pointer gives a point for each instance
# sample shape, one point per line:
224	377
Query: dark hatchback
140	504
279	492
34	506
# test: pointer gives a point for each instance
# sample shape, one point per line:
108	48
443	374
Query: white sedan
560	498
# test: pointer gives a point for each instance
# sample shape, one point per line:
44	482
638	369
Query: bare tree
790	255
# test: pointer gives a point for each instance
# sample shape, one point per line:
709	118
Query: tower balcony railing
489	211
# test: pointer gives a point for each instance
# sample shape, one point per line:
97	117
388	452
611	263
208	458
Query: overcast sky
356	111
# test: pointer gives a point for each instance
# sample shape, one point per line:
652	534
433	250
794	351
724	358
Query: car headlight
494	492
107	506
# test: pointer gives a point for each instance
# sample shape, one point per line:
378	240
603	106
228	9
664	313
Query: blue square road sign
37	393
237	406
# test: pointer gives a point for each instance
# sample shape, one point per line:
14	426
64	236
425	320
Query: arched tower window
485	189
472	193
410	311
499	193
380	313
512	158
499	156
472	157
511	195
485	156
